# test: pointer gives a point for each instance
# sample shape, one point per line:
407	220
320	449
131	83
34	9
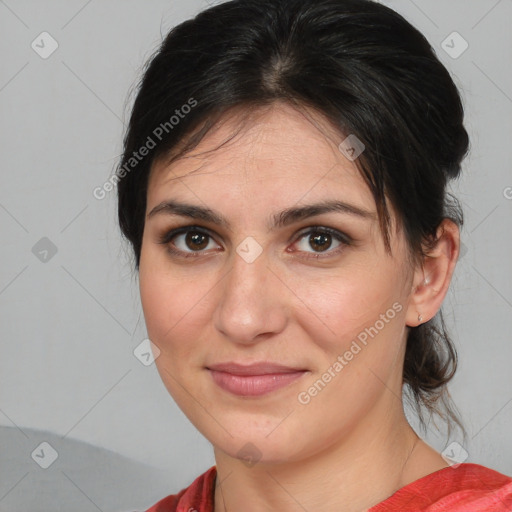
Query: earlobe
432	278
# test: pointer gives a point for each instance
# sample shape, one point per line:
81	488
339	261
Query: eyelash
344	239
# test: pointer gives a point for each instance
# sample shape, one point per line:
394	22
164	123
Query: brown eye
322	239
196	240
188	242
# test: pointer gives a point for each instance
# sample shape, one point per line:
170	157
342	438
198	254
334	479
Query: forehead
276	148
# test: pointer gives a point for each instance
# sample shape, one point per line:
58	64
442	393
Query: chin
257	451
252	445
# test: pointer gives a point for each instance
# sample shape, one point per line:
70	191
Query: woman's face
275	283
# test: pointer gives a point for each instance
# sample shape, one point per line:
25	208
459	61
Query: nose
252	303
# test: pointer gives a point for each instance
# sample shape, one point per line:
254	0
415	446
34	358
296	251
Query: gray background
71	319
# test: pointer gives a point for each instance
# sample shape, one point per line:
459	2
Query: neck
367	466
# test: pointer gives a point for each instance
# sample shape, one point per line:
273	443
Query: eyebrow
282	219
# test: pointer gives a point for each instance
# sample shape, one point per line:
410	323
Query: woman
283	186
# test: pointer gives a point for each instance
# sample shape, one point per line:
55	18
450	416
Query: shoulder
454	489
197	497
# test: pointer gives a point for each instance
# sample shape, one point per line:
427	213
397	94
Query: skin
297	304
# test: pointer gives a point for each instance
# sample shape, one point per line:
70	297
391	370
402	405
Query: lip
262	368
255	379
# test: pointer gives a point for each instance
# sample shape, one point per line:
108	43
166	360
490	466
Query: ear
432	278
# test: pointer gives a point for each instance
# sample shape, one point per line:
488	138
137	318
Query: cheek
164	301
360	352
173	306
345	306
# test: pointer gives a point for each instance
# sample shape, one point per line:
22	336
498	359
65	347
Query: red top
462	488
